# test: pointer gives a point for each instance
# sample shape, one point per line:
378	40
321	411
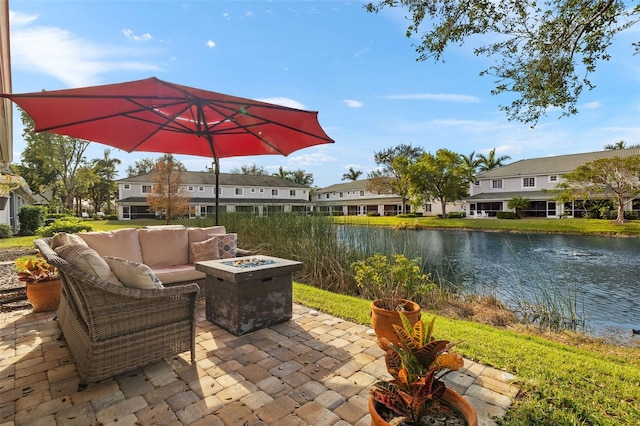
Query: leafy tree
301	177
141	167
615	178
86	179
252	169
105	189
443	177
392	177
51	161
518	203
167	195
490	161
544	51
352	174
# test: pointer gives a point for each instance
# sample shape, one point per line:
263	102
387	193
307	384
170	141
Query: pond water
598	278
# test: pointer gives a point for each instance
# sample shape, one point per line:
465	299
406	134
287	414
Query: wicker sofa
111	329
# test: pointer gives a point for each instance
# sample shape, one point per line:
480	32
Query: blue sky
356	68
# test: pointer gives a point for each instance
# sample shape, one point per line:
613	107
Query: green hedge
507	215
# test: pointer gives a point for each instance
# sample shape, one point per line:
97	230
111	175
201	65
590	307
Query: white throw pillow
133	274
89	261
204	250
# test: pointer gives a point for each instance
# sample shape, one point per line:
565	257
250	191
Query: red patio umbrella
157	116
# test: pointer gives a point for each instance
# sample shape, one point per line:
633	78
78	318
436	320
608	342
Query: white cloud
284	102
19	19
211	43
445	97
315	159
131	36
361	52
592	105
65	56
352	103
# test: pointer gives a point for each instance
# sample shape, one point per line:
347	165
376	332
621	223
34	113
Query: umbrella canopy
157	116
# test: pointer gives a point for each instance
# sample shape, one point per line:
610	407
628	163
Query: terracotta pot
450	397
382	319
44	295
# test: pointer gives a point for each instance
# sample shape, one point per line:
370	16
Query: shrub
506	215
5	231
67	224
31	218
455	215
373	214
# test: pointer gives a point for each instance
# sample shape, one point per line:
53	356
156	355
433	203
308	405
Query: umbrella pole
217	171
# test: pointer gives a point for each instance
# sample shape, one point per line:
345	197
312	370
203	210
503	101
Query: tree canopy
616	178
544	51
167	195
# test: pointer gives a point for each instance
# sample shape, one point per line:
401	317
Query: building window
362	193
201	189
496	184
126	186
253	190
213	191
190	188
261	190
238	191
146	189
476	183
428	208
327	196
553	178
529	182
341	195
274	192
292	192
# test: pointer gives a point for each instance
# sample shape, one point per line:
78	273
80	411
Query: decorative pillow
204	250
63	238
227	245
89	261
133	274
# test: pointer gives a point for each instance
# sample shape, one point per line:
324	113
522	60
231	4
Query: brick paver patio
313	370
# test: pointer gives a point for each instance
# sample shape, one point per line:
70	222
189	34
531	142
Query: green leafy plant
35	269
416	366
66	224
391	279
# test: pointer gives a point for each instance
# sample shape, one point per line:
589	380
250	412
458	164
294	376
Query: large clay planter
450	397
382	319
44	295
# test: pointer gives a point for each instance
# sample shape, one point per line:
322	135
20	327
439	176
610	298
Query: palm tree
282	173
617	145
106	168
352	174
490	162
518	203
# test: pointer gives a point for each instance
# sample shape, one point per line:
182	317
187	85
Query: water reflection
598	275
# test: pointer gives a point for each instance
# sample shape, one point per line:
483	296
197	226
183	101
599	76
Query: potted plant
42	282
415	394
392	284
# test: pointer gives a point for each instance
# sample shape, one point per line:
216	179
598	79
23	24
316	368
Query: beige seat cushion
62	238
89	261
133	274
164	246
178	274
120	243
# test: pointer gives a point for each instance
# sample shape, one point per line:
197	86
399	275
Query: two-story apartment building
237	193
531	179
353	199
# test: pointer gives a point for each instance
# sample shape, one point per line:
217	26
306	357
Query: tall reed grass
327	251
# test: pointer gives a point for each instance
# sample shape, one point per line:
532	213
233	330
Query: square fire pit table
244	294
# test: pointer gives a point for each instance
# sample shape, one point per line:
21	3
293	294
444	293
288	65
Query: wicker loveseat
111	329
